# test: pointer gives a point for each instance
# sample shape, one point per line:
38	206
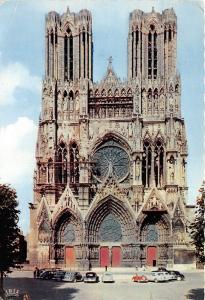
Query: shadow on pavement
42	289
195	294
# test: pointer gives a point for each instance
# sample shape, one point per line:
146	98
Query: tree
9	231
197	227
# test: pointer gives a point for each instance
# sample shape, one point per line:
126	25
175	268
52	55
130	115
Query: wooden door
104	257
151	256
70	257
116	256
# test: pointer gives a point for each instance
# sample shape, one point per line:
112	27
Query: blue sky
22	71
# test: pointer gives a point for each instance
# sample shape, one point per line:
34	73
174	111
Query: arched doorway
67	234
110	226
154	238
110	232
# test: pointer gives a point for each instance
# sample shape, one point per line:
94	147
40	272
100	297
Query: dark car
46	275
178	276
58	275
72	277
91	277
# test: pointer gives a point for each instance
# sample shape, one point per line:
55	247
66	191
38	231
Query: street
123	288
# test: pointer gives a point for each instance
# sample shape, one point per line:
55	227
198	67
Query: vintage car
58	275
46	274
167	274
140	277
107	277
177	275
72	277
160	277
91	277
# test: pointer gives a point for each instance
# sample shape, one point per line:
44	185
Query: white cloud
15	76
17	147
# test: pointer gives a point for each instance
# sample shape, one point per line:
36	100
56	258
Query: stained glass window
110	157
67	233
152	233
110	230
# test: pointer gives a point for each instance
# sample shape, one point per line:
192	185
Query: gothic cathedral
110	181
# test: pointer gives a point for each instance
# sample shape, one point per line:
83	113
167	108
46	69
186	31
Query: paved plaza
122	289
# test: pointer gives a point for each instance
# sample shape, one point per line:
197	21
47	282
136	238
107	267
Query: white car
166	275
158	276
107	277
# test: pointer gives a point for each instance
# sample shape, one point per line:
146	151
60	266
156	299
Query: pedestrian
136	268
35	272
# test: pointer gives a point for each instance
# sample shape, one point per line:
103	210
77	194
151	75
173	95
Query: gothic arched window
74	163
62	164
68	55
146	164
135	52
159	163
152	53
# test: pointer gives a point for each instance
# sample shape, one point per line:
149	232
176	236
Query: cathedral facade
110	181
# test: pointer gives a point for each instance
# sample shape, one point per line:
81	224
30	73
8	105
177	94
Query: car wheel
156	280
179	278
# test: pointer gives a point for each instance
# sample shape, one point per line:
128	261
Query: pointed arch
115	209
103	93
129	92
97	93
67	228
62	163
146	162
116	93
123	93
44	232
109	93
68	54
155	228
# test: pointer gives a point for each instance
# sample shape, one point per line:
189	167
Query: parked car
46	275
107	277
72	277
158	276
58	275
177	275
140	277
91	277
167	274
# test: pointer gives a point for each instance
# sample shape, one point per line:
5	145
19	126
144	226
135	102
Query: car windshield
90	274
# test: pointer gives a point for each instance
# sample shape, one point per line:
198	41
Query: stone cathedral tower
110	180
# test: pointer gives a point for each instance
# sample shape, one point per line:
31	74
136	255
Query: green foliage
9	231
197	227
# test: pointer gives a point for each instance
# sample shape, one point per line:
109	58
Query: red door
151	256
104	257
116	256
70	256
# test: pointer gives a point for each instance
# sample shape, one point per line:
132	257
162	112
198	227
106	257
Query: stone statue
137	169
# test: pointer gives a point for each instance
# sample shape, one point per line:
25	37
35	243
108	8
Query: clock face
111	158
